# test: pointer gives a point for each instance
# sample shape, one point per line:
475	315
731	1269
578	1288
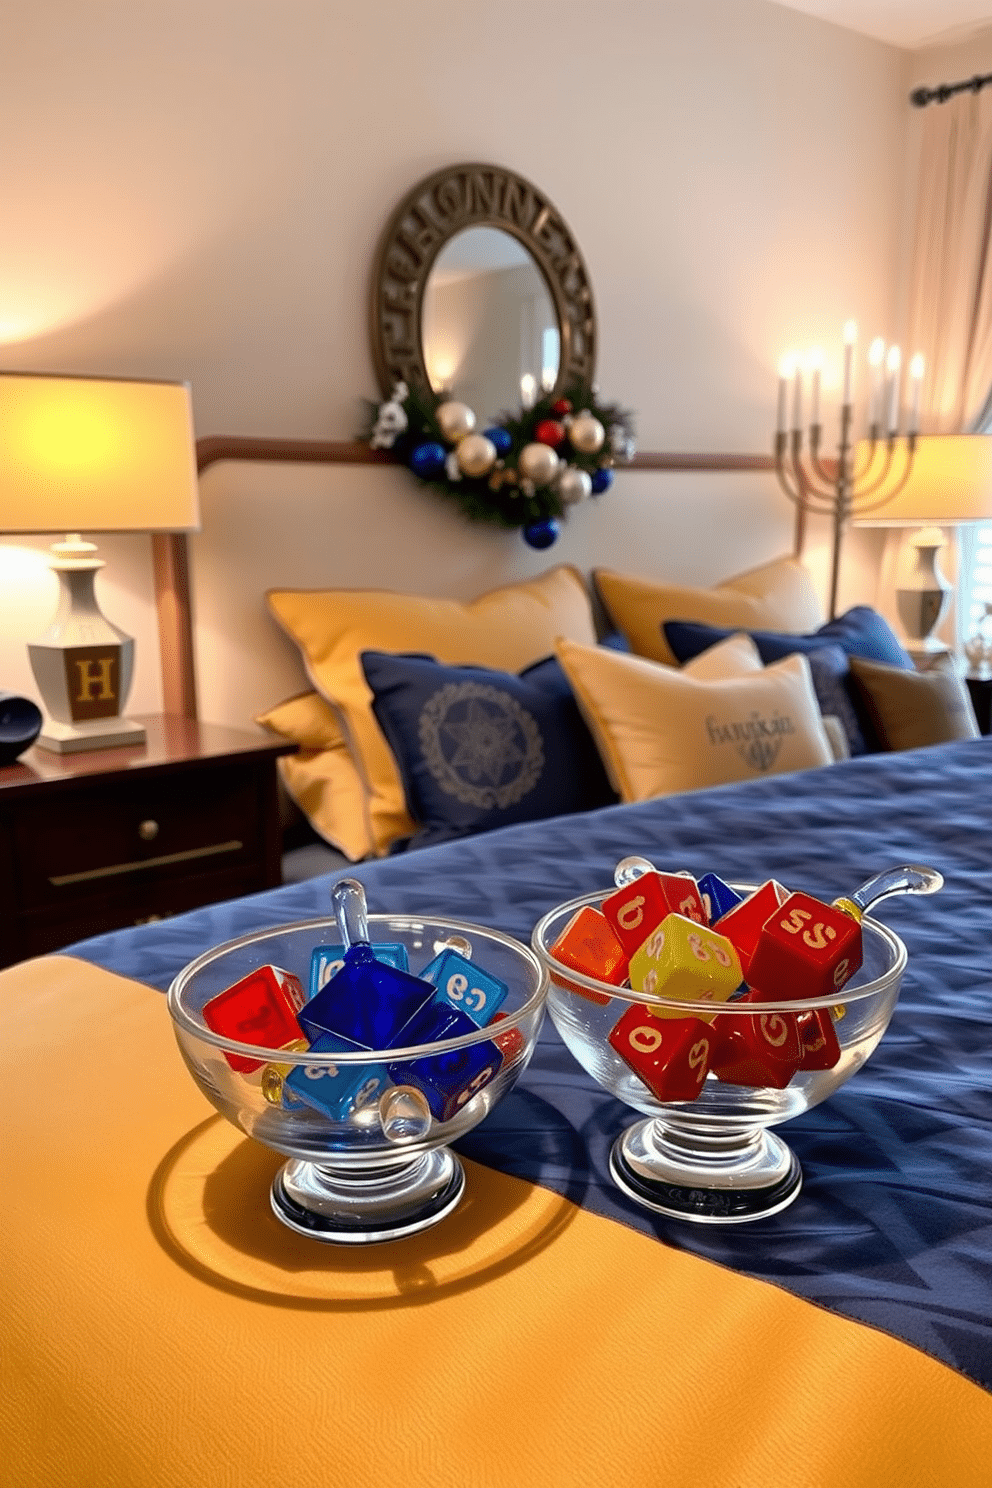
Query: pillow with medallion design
660	730
478	748
510	627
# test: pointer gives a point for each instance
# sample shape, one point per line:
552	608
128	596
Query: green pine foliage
502	497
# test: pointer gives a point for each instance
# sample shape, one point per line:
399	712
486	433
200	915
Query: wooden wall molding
170	551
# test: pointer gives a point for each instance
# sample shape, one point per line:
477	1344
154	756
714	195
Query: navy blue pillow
861	631
478	749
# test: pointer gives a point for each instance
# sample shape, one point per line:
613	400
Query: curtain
950	311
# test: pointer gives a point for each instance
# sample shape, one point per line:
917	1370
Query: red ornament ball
562	406
550	431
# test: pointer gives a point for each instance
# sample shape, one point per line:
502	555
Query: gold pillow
660	730
777	596
913	709
321	778
507	629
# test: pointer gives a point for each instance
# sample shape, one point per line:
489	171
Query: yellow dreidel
685	961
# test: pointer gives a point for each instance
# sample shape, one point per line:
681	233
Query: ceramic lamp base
102	733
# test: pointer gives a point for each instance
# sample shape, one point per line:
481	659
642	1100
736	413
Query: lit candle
893	362
916	369
785	370
876	361
850	336
528	389
797	397
815	367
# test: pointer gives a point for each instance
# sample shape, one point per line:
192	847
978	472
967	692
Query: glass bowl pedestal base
726	1176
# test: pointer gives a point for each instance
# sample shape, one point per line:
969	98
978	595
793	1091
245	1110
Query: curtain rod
920	97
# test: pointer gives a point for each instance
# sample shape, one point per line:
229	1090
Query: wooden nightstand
113	837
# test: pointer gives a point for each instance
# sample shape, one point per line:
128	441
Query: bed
160	1327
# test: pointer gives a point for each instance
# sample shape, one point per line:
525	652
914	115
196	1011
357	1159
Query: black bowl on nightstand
20	725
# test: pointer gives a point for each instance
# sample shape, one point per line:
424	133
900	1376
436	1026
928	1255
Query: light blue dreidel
717	896
327	960
366	1002
337	1089
465	986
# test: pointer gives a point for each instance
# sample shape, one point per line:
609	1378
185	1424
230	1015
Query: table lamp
949	485
91	454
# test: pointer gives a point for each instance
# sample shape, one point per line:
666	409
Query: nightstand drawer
123	832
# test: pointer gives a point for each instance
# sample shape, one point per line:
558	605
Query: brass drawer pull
61	880
148	830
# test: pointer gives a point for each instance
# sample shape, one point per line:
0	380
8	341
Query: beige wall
196	189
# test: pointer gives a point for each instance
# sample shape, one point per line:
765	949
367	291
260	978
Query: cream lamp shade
949	485
91	454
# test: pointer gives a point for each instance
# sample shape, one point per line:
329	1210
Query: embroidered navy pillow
861	631
478	748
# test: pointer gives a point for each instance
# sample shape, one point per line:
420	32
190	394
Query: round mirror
489	330
479	290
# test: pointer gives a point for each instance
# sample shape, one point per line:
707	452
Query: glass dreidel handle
629	869
404	1114
352	916
908	878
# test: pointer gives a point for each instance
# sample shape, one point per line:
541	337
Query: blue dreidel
466	987
367	1002
718	897
450	1079
337	1089
327	960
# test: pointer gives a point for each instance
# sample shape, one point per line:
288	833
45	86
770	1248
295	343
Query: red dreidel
744	923
807	950
670	1055
821	1047
588	944
260	1009
757	1049
640	904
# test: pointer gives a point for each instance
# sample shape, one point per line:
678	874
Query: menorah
843	488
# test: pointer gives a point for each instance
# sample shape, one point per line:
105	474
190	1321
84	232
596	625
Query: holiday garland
524	470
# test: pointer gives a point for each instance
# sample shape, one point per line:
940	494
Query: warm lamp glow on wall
90	454
950	485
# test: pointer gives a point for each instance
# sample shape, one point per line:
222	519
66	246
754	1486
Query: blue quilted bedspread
893	1225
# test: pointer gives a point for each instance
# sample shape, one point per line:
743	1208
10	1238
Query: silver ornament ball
476	455
574	485
586	433
455	420
539	463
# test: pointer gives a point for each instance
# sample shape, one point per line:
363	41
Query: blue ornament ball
500	438
602	480
542	534
427	461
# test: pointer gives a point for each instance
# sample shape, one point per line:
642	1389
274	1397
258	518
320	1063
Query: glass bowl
381	1168
713	1159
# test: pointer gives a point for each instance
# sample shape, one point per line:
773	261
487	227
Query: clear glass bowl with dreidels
713	1158
372	1163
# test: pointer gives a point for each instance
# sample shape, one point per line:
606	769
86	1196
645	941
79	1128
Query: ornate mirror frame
428	217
